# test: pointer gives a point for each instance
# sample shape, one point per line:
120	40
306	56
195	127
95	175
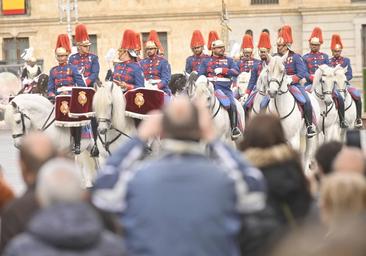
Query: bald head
35	149
350	159
180	120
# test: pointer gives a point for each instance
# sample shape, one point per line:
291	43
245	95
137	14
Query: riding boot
235	131
77	138
308	116
342	122
94	152
358	114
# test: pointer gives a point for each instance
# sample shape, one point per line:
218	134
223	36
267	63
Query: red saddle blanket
143	100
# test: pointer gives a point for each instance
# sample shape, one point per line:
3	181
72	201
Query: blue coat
157	68
63	75
256	71
313	61
183	203
295	67
193	62
247	65
89	63
344	62
229	71
129	72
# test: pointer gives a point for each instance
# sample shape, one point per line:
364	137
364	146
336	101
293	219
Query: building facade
175	20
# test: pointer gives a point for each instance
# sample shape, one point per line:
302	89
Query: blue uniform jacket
193	62
247	65
185	199
256	71
229	70
344	62
157	68
295	67
89	63
129	72
63	75
313	61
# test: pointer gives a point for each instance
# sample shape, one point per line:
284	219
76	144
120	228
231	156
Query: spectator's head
326	154
349	159
180	120
263	131
59	181
36	148
343	197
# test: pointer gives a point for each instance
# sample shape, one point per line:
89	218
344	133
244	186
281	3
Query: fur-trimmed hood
261	157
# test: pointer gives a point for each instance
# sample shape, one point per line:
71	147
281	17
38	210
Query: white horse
31	112
202	88
349	105
241	86
285	106
114	127
322	89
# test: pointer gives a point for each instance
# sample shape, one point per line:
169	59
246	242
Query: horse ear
269	57
14	104
345	69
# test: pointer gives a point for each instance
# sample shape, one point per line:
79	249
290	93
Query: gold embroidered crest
139	99
64	108
82	99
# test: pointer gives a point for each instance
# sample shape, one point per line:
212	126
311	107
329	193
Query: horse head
178	83
204	90
26	112
262	82
341	79
277	82
109	106
323	83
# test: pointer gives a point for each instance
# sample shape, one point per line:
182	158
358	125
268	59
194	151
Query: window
93	46
358	1
14	7
13	49
254	2
163	37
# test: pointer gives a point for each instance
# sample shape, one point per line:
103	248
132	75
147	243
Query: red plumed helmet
63	46
264	41
154	39
336	43
81	35
212	36
285	35
247	43
129	40
138	42
316	36
197	39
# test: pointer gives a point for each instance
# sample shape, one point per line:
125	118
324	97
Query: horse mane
275	65
177	83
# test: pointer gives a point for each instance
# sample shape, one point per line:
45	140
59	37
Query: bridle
279	83
23	116
321	95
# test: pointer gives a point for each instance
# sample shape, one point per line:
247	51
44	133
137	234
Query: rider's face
247	55
151	51
218	51
197	50
282	49
314	47
336	53
83	49
61	59
263	54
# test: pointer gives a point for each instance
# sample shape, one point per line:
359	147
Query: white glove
218	71
26	81
289	79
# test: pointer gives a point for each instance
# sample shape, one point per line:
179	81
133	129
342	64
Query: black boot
342	122
233	116
94	152
308	116
358	123
77	138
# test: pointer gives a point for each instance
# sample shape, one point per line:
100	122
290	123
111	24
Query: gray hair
59	181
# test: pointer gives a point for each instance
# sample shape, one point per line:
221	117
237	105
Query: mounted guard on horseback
194	61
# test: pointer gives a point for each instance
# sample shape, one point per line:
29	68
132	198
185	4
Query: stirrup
235	133
358	123
94	152
310	131
344	124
